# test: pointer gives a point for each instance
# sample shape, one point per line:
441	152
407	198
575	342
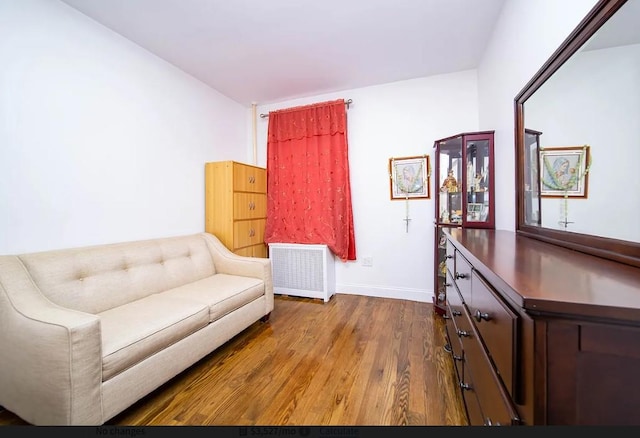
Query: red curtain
308	189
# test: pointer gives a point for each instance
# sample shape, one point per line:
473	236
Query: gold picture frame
410	177
564	171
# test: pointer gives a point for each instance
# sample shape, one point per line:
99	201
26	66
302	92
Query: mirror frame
613	249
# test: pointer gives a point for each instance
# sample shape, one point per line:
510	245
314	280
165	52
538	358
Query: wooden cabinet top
543	278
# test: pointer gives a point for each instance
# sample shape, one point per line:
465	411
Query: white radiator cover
303	270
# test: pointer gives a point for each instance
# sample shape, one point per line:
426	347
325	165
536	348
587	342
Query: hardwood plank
354	360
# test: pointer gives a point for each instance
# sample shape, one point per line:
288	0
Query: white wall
100	141
393	120
526	35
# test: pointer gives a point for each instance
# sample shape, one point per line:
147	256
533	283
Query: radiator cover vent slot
302	270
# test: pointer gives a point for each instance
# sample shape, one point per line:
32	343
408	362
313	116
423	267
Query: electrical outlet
367	261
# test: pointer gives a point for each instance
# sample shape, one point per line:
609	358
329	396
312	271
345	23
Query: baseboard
399	293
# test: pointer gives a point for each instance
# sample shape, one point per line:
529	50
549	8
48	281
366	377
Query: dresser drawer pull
459	275
448	256
465	386
462	333
455	312
480	316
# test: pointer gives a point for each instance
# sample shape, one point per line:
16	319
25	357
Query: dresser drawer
495	402
259	250
456	348
247	233
462	276
454	301
249	178
471	402
450	257
455	313
249	205
497	325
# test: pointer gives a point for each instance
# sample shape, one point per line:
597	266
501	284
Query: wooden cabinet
236	206
540	334
481	332
464	194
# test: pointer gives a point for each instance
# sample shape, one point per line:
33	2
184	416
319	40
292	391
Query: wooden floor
352	361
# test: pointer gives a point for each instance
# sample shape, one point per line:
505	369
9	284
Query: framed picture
410	177
564	171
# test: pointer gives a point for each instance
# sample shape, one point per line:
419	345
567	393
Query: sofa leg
266	317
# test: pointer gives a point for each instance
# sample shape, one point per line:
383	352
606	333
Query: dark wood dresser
540	334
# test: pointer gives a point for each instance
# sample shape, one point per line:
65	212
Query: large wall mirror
579	116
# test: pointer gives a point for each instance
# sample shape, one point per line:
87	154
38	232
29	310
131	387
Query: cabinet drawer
253	251
249	205
247	233
462	276
455	312
249	179
454	301
471	403
456	348
450	257
497	325
495	402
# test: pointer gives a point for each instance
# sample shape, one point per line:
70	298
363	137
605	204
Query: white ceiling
266	51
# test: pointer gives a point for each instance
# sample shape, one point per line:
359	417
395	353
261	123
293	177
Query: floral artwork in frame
564	171
410	177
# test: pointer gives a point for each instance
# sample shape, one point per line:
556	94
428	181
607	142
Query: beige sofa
86	332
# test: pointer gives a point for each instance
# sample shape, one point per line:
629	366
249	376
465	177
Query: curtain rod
346	102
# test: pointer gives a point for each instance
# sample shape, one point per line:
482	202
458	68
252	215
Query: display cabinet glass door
479	211
449	176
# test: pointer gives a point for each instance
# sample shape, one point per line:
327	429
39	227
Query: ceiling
259	51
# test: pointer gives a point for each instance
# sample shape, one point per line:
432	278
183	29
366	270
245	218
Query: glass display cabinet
464	195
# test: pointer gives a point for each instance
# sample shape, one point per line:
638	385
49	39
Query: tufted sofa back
97	278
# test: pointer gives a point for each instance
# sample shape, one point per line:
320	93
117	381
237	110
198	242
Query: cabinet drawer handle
480	316
455	312
459	275
462	333
465	386
448	256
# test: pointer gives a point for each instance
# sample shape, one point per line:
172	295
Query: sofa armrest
226	262
51	370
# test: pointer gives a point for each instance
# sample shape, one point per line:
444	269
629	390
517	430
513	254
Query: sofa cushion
223	293
137	330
